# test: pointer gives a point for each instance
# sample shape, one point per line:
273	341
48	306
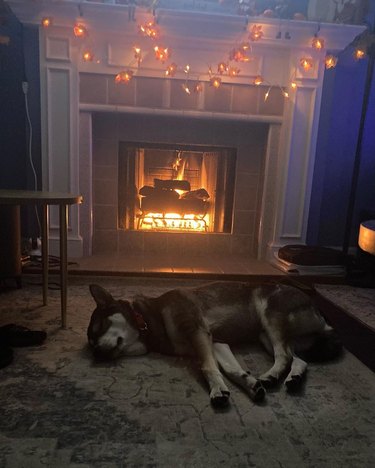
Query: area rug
61	409
358	302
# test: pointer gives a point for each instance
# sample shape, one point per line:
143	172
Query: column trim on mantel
59	121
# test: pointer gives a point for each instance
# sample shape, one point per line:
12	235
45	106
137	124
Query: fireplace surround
87	118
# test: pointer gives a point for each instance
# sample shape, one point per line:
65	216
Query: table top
38	197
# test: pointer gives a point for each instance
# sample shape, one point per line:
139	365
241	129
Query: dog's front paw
219	398
294	383
258	392
268	381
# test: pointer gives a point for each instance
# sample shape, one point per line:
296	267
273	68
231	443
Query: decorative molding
58	48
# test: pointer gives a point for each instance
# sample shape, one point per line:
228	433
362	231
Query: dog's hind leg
295	377
234	372
219	392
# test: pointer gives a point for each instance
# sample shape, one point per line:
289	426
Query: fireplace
162	183
182	189
107	141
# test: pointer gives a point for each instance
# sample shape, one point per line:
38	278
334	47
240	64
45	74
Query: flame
175	222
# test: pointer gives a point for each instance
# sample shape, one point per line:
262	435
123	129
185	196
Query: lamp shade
366	239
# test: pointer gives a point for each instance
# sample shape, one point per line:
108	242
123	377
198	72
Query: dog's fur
202	322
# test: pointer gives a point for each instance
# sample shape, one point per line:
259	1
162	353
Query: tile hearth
172	264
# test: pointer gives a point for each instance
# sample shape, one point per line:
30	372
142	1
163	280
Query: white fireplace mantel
197	39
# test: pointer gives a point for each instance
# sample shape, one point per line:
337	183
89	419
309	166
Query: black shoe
18	336
6	355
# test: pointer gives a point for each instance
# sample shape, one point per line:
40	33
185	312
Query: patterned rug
60	409
358	302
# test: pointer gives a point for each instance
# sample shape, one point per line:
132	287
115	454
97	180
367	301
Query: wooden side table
44	199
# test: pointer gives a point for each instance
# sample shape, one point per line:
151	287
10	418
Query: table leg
63	261
45	252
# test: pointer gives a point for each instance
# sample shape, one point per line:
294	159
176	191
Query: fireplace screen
184	189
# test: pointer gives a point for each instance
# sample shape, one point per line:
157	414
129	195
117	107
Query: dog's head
111	332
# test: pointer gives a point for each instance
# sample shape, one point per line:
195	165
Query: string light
306	63
124	77
267	94
80	30
137	54
359	54
149	30
233	71
330	61
317	43
171	70
46	22
162	53
88	56
258	80
222	68
215	82
186	88
256	33
198	87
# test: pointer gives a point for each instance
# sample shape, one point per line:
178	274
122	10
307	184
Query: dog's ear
102	297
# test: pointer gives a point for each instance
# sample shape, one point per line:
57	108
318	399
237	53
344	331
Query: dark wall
20	155
12	108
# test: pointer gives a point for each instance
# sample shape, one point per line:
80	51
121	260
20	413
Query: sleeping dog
204	321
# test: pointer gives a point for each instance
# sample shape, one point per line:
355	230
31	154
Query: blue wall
341	108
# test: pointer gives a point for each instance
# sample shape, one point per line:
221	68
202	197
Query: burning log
163	199
172	184
200	194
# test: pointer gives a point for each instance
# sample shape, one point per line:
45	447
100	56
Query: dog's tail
325	346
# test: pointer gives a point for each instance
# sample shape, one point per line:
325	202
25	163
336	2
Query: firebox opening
180	188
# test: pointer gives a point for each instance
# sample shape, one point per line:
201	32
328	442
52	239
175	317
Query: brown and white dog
204	321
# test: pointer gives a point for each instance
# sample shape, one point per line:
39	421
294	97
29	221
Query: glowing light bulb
359	54
161	53
88	56
80	30
258	80
215	82
293	85
233	71
171	70
149	30
306	63
124	77
137	54
222	67
198	87
256	33
186	88
330	61
317	43
46	22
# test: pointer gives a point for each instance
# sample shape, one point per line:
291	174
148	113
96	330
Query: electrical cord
25	89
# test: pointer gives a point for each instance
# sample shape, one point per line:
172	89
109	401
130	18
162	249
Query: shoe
6	355
18	336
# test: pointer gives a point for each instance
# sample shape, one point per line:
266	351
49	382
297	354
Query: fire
175	222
